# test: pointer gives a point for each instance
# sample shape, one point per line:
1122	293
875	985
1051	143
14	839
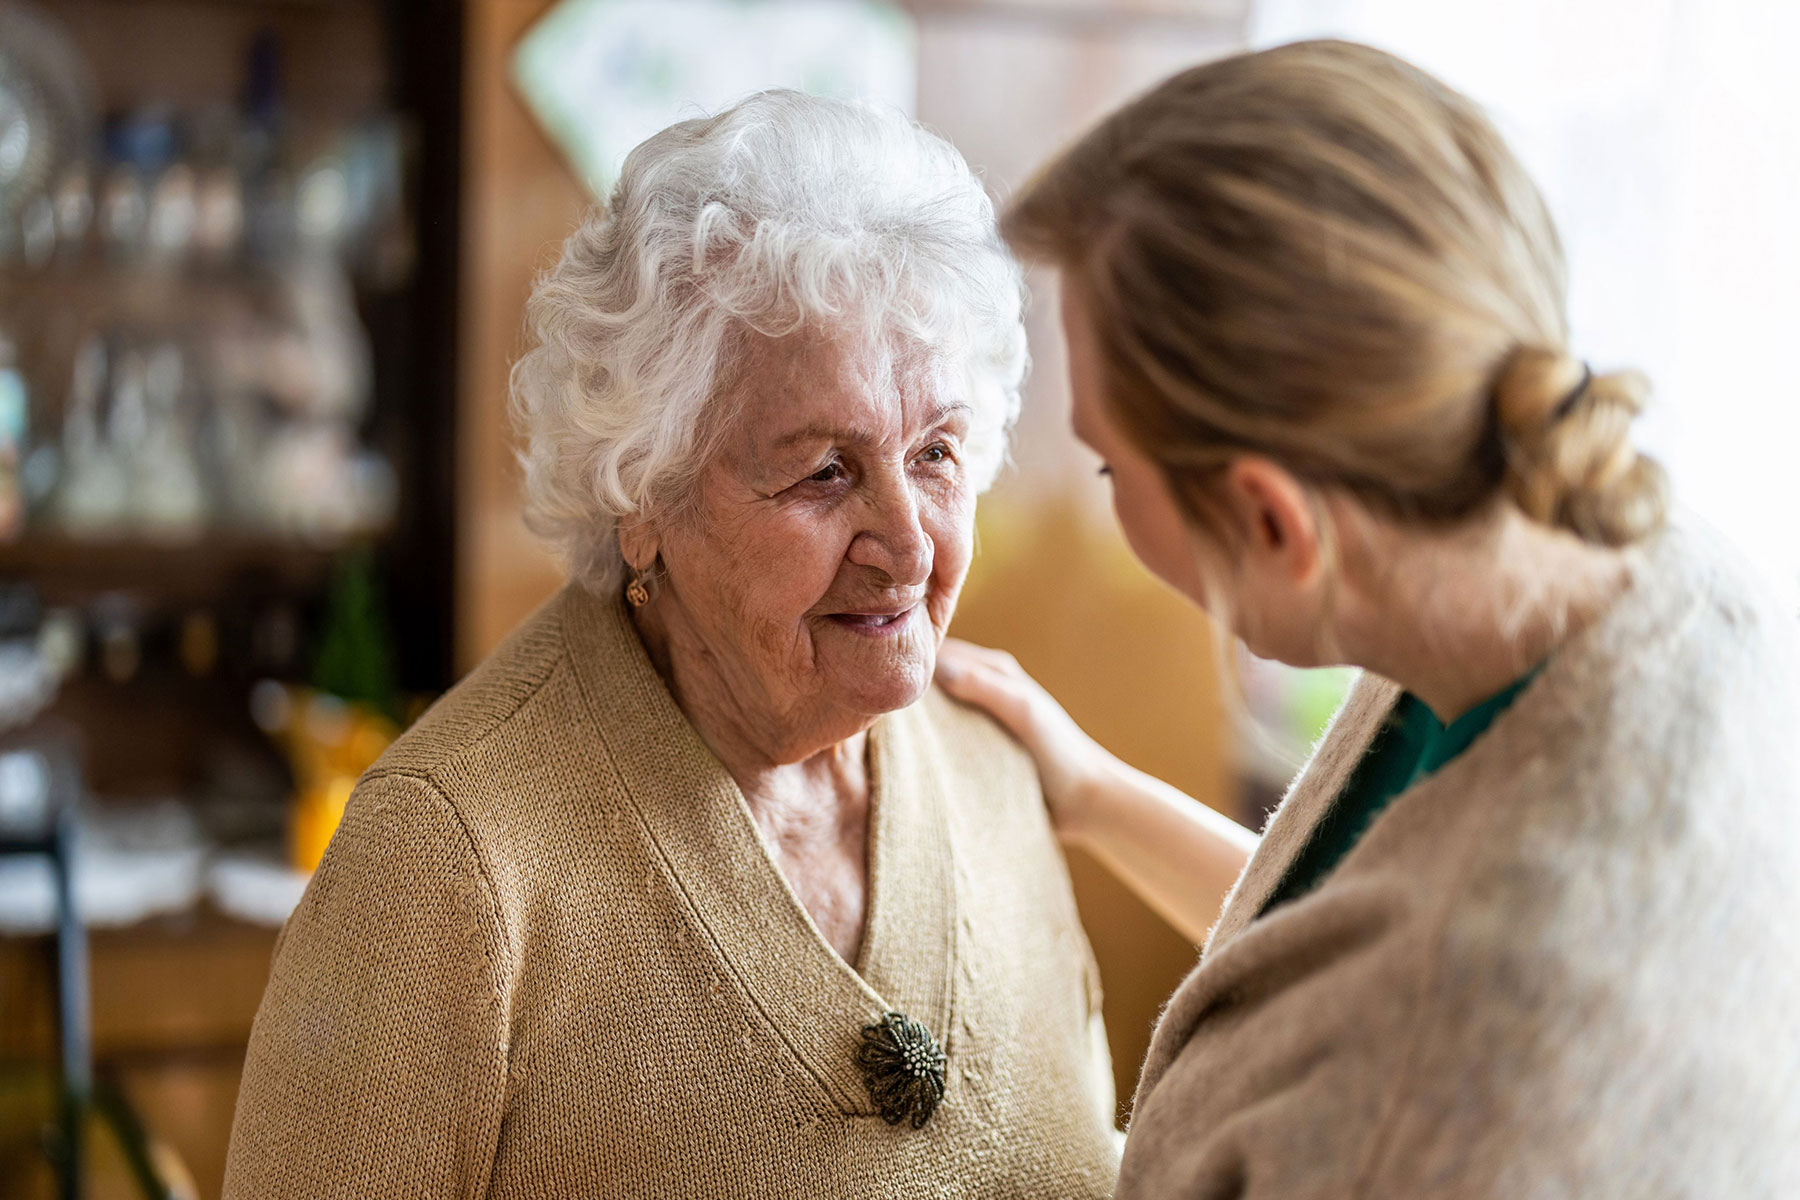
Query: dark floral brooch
904	1069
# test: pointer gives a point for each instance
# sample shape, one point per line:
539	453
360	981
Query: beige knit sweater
548	956
1565	967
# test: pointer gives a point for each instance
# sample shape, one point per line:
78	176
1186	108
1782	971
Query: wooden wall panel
520	201
173	999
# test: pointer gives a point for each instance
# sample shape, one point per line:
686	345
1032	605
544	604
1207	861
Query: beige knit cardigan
1567	965
547	955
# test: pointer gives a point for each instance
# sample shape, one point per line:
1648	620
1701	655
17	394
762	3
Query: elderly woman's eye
826	474
936	453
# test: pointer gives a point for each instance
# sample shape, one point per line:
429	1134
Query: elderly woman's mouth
875	622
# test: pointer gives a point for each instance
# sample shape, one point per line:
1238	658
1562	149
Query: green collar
1410	745
1441	742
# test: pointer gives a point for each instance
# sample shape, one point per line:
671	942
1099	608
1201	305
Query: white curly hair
784	212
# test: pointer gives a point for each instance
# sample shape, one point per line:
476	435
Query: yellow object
315	816
329	744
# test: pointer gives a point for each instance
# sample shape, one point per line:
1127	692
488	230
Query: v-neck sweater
548	954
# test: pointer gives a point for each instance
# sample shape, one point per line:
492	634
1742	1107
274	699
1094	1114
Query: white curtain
1665	135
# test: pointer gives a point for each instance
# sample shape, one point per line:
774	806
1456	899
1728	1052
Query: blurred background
262	268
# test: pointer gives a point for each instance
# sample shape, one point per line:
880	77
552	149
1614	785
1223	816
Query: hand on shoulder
1069	762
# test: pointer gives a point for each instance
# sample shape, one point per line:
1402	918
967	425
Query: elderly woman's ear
639	544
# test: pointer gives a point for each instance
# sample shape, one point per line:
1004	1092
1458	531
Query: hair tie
1567	404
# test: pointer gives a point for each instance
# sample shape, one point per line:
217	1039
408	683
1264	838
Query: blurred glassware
37	231
91	497
62	641
74	207
141	148
218	215
322	356
124	211
322	206
118	626
218	190
173	215
222	370
320	486
15	417
231	437
169	499
29	677
45	111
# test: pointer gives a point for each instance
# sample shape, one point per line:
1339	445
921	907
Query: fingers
993	680
1006	704
989	679
958	655
958	660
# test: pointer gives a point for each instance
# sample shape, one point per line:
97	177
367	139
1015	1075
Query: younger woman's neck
1458	617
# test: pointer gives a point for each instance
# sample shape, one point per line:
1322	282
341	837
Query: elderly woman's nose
895	541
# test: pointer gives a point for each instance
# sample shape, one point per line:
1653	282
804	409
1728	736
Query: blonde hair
1321	254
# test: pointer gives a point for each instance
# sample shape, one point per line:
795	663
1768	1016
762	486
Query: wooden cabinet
173	1000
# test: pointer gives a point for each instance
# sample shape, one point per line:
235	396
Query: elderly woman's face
821	562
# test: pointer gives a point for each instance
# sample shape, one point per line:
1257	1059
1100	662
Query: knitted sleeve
378	1060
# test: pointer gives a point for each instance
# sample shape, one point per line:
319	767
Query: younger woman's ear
1275	517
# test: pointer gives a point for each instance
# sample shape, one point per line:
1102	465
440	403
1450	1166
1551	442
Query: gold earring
635	591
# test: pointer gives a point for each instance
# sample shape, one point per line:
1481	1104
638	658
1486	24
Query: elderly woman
694	888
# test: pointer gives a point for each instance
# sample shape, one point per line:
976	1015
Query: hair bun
1570	461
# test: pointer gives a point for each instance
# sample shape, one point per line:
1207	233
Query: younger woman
1528	924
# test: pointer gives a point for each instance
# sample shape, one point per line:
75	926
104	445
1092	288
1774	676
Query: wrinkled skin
805	588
